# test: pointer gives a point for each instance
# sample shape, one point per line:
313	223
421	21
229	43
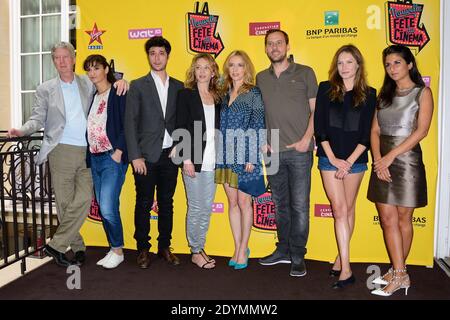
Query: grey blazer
144	119
49	112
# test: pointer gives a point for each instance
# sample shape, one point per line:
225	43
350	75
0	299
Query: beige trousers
72	184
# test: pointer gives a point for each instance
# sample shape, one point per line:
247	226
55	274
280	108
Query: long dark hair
387	91
95	59
360	86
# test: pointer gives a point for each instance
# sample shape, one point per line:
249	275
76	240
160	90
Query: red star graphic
95	34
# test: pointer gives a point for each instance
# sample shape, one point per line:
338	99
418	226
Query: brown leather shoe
167	255
143	259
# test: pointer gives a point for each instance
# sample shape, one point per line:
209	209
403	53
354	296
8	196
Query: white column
15	75
442	216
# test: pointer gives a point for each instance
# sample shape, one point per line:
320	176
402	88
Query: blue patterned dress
240	142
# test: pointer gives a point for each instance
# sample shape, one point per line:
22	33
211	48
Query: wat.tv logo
405	27
95	35
202	31
331	18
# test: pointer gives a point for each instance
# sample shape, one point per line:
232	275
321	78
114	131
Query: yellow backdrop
316	29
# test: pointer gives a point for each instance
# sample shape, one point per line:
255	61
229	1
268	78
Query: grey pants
291	187
200	192
72	184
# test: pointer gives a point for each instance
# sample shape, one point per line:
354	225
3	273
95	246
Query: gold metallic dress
408	187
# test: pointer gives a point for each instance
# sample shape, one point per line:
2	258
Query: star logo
95	34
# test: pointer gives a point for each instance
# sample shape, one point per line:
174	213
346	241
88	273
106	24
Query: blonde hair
191	82
249	75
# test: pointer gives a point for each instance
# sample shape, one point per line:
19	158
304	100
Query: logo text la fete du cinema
404	24
202	31
331	21
95	35
264	212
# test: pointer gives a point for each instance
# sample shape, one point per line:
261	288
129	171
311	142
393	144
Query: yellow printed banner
316	30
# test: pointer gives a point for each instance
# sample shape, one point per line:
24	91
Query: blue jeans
325	165
291	187
200	193
108	177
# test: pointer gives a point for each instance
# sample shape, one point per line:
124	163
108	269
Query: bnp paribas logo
331	18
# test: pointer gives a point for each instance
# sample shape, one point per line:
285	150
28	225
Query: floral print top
96	126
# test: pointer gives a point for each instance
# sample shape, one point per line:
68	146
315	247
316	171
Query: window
37	25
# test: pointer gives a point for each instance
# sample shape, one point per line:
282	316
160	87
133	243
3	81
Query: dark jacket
144	119
341	124
189	110
114	124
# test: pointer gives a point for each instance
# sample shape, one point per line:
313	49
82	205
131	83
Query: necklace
406	89
101	94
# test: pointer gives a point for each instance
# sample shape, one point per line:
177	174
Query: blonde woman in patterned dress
238	166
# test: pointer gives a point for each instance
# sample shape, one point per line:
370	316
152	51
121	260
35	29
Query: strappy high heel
382	279
397	282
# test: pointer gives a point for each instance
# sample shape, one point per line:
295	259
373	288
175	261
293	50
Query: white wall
442	231
4	65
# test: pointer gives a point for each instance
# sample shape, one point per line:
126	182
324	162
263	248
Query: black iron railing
26	201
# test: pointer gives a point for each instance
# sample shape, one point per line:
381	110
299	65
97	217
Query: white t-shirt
209	156
163	92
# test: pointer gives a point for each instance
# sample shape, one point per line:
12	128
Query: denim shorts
325	165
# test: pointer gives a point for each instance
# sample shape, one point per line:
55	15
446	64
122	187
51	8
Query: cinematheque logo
202	31
405	27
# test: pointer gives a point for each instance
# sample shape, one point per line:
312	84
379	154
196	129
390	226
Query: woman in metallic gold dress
398	183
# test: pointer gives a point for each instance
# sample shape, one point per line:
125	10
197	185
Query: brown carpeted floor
188	282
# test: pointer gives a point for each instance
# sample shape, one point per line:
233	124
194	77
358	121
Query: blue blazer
114	124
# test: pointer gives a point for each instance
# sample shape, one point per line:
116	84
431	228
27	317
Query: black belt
167	150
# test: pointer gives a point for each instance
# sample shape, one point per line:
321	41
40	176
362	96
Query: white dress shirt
163	91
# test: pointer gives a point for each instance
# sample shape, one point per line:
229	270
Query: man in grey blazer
149	123
60	107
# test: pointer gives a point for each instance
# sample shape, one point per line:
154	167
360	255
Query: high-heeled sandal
399	282
208	263
382	279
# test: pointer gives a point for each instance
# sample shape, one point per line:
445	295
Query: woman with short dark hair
107	153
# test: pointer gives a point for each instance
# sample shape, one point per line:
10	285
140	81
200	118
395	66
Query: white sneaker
106	258
113	261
